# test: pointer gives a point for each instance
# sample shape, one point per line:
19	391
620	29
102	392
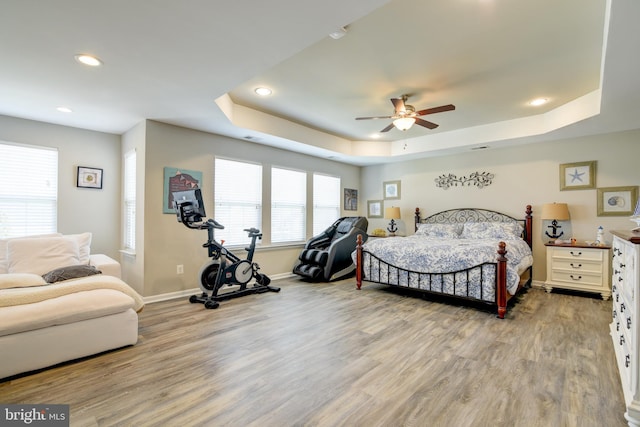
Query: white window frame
288	205
324	207
129	202
28	190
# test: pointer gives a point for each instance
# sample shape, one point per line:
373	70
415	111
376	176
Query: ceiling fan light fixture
404	123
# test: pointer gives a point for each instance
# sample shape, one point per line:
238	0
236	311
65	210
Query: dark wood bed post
416	220
501	281
359	261
528	226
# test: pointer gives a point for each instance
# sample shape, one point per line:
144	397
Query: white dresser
625	284
578	267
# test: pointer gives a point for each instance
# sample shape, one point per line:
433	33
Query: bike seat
215	224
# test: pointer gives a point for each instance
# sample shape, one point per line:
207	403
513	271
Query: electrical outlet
180	269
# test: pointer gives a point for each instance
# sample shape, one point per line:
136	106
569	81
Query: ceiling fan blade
388	128
374	118
425	123
398	104
433	110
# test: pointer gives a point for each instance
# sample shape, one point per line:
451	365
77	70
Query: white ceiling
195	63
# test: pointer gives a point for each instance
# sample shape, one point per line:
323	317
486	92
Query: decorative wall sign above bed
479	179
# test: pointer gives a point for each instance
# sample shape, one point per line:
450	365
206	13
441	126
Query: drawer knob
574	278
617	326
627	361
622	307
628	322
575	266
621	339
575	253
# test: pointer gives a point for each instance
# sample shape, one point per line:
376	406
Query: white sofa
58	302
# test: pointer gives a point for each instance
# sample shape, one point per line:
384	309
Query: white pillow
440	231
84	245
41	255
491	230
20	280
4	265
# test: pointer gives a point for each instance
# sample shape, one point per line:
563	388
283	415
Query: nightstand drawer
569	265
570	253
577	278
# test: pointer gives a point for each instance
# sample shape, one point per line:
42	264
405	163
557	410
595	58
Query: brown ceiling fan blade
434	110
425	123
398	104
388	128
374	118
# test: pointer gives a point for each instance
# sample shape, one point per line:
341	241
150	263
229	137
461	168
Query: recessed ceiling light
538	101
89	60
375	135
64	109
263	91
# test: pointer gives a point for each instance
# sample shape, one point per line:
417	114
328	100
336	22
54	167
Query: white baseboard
185	293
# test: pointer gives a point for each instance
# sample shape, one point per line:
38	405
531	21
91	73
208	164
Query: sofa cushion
74	307
40	255
4	264
20	280
84	245
70	272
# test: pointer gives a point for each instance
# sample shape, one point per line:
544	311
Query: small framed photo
350	199
391	190
617	201
374	208
578	176
89	177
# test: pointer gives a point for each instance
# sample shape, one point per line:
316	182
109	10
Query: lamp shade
557	211
392	213
404	123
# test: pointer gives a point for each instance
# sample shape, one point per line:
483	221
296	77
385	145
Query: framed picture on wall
89	177
578	176
178	179
391	190
617	201
374	208
350	199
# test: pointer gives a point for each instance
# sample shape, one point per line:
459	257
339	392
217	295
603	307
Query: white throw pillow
4	263
84	245
20	280
41	255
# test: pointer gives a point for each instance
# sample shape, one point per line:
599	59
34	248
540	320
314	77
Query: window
288	205
238	199
326	201
28	190
130	201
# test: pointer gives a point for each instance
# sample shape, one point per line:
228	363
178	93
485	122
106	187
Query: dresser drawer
577	265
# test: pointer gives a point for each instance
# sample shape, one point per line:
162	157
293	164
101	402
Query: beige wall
168	243
527	174
523	175
79	209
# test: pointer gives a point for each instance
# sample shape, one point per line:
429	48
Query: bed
475	255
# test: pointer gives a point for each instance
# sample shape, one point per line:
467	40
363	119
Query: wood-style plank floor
329	355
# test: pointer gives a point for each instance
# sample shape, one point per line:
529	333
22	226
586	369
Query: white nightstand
579	267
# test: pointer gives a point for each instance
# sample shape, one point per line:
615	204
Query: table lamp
555	212
392	213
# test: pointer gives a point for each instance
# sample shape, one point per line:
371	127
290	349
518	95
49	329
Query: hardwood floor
328	355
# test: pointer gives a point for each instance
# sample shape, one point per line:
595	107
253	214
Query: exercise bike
225	268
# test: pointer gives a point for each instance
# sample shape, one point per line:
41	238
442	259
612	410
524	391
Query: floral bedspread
421	254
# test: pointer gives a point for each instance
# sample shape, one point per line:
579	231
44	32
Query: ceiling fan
405	115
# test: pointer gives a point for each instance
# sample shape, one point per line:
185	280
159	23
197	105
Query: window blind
288	205
326	201
238	199
129	240
28	190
